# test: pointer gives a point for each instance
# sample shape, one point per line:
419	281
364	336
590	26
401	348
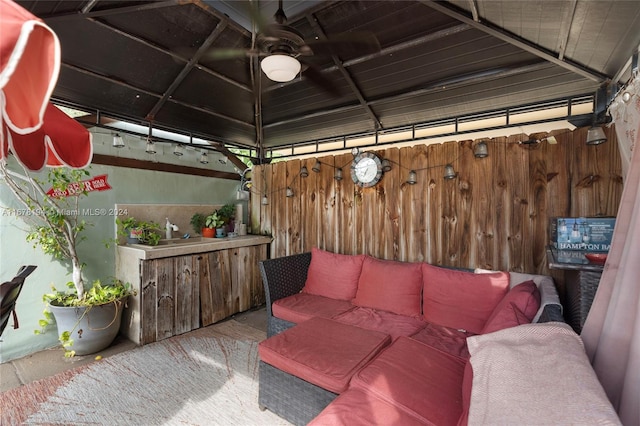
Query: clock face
366	169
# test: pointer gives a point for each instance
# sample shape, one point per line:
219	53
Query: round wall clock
366	169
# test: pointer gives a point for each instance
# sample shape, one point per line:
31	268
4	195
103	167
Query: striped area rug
179	381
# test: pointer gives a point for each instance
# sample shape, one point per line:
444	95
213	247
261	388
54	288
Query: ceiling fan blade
315	76
217	54
345	44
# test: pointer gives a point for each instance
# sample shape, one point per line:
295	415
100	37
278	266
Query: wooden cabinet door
170	297
187	293
246	276
215	287
157	316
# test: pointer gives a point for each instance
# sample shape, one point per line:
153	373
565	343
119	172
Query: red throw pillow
525	297
333	275
390	286
460	299
507	316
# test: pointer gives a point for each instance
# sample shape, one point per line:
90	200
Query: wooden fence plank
517	174
346	207
294	218
278	205
434	172
414	233
536	248
465	205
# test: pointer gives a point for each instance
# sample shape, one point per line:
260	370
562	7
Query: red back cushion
333	275
459	299
507	316
518	306
390	286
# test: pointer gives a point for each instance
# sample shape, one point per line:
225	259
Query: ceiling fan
285	53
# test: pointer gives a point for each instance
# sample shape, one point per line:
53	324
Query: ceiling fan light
281	68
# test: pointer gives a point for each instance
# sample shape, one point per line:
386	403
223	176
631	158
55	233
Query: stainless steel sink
174	242
180	241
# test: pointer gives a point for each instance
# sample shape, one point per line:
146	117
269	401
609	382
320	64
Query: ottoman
305	367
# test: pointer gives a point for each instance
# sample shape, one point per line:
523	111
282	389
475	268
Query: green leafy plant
55	224
149	231
198	221
227	213
214	220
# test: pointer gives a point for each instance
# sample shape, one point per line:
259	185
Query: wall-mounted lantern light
413	177
449	173
118	142
480	150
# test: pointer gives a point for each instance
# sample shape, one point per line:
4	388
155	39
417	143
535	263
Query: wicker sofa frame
283	277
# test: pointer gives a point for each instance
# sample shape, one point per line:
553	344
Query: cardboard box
592	234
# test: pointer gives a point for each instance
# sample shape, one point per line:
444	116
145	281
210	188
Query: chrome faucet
169	228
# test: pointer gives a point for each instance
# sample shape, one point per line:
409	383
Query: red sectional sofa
358	340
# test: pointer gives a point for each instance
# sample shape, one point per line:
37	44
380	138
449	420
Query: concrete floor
49	362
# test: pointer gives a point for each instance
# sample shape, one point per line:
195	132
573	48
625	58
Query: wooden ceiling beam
132	163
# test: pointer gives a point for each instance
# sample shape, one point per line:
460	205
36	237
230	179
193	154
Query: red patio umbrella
60	141
29	67
35	131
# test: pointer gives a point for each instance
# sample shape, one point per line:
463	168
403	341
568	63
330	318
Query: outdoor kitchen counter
185	246
182	285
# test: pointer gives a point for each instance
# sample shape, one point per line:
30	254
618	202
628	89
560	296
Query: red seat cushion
459	299
322	351
446	339
418	378
386	322
357	407
303	306
333	275
390	286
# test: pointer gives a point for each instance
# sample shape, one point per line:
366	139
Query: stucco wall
129	186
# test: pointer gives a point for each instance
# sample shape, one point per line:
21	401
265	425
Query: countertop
570	260
183	247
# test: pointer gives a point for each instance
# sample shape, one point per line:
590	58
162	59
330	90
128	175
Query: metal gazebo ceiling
147	61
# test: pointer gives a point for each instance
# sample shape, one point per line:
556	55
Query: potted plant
214	220
199	223
227	213
139	231
56	226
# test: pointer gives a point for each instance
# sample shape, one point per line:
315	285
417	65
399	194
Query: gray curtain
611	333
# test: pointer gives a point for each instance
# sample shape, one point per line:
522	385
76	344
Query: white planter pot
92	330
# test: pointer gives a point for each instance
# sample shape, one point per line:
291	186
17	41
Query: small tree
55	223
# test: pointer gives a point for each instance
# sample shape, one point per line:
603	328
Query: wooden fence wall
494	215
